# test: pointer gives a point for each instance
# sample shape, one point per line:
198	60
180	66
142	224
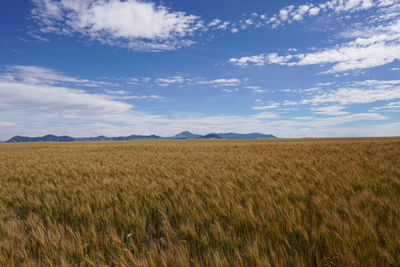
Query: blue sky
113	67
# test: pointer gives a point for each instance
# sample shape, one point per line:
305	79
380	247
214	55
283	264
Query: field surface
314	202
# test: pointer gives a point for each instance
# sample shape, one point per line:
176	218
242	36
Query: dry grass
333	202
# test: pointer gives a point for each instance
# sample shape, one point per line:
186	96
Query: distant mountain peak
54	138
210	136
181	136
185	135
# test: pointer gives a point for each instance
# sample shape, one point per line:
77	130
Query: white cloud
134	24
118	92
269	106
353	57
273	58
374	47
345	58
244	61
290	103
47	8
257	89
325	84
377	83
121	94
223	26
333	121
289	90
179	80
330	110
169	81
6	124
299	13
221	82
214	22
38	37
371	42
349	96
308	90
40	75
154	97
265	115
334	102
284	13
382	10
314	11
229	91
342	96
36	89
249	22
253	87
390	107
292	13
133	81
387	129
60	100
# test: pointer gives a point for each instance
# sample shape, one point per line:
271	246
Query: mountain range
181	136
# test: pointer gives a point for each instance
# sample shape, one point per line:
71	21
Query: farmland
311	202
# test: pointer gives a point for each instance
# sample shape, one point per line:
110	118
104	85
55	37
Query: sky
121	67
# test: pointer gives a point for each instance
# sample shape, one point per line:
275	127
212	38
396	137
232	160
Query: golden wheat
317	202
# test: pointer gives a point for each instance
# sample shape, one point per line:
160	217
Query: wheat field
312	202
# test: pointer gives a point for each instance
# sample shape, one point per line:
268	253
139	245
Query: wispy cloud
220	82
154	97
348	96
390	107
185	81
121	94
40	75
339	96
330	110
59	100
257	89
258	60
269	106
214	22
6	124
292	13
168	81
229	91
372	43
116	92
36	89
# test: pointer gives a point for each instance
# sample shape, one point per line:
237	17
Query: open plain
306	202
